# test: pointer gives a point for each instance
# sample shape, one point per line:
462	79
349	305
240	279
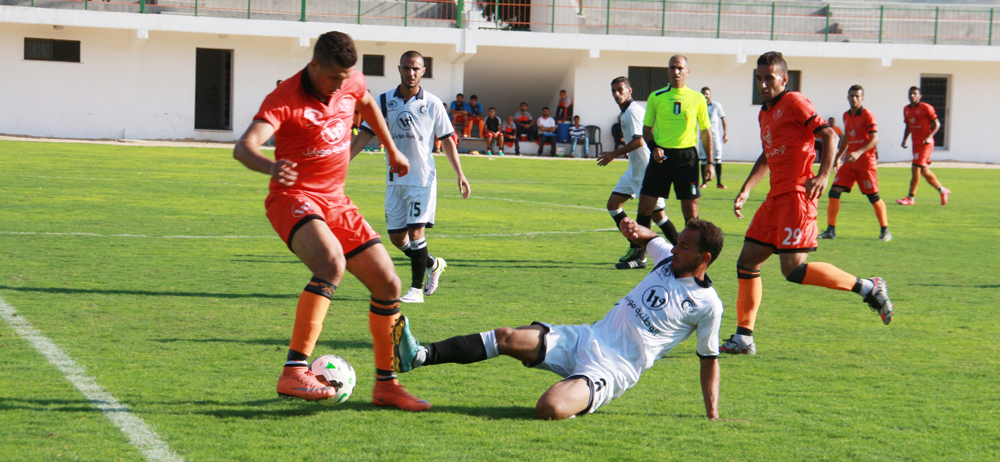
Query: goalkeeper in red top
786	222
922	123
857	149
310	116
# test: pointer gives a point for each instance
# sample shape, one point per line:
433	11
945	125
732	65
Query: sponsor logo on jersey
778	114
641	314
654	298
686	306
332	129
302	210
851	132
766	137
423	109
392	104
405	121
346	106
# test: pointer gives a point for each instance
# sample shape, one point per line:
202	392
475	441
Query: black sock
744	331
463	349
296	359
618	219
644	220
431	261
669	232
418	265
831	228
885	228
718	173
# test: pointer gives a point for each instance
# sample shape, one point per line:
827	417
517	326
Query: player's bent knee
873	198
797	275
504	335
835	193
549	408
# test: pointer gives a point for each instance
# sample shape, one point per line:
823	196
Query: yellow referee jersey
675	115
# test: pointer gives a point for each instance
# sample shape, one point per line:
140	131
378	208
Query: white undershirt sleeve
658	249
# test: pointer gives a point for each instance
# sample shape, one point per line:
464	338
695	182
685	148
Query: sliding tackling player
310	117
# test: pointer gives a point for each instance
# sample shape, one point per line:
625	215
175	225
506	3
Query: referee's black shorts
679	168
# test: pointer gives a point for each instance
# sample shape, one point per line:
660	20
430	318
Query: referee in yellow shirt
673	117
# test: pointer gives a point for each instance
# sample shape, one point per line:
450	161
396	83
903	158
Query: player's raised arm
710	382
756	174
635	232
373	117
451	152
247	151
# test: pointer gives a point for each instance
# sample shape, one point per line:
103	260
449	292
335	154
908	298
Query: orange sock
309	314
382	317
829	276
749	294
883	218
831	212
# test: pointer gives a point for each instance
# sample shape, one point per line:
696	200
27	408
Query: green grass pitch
191	333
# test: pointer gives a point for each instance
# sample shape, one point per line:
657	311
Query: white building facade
136	74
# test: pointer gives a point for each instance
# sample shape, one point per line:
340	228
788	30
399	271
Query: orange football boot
391	393
300	382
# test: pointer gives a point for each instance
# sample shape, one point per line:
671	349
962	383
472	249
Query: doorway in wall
934	91
213	102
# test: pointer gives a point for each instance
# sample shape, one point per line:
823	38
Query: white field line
536	233
137	432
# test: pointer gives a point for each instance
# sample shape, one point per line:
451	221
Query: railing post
772	20
553	16
718	21
248	8
406	13
881	21
461	9
496	13
142	6
826	36
303	17
990	42
359	11
607	20
663	20
196	7
937	14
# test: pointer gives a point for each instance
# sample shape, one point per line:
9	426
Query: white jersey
414	126
715	116
631	120
657	315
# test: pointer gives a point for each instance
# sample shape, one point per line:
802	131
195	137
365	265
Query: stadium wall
136	76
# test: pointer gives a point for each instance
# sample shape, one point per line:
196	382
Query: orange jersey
920	121
859	130
787	132
313	134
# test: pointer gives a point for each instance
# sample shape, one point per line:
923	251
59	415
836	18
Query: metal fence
798	21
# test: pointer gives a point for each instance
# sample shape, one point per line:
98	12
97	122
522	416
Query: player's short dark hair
492	108
576	117
856	87
709	237
546	108
562	91
621	79
705	88
335	48
773	58
522	102
914	88
410	54
474	97
463	96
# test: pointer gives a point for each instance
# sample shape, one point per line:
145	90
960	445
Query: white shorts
627	187
410	207
716	154
575	352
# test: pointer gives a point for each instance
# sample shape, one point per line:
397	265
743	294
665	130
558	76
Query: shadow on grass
335	344
979	286
58	405
149	293
307	408
521	263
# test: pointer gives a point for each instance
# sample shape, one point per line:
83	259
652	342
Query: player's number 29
793	237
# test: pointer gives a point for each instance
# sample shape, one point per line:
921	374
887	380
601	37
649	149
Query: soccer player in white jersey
630	183
416	119
600	361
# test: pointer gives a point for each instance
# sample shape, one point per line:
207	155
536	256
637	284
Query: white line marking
536	233
138	433
540	203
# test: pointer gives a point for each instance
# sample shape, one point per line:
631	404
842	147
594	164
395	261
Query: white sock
664	220
418	244
404	247
615	212
743	340
490	341
421	357
867	286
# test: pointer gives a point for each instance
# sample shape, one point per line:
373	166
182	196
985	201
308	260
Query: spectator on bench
525	123
564	112
460	112
493	132
510	134
578	133
475	117
546	132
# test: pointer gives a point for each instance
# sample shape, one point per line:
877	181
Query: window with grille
646	80
52	50
373	65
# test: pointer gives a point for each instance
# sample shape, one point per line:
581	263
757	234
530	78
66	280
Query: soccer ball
337	372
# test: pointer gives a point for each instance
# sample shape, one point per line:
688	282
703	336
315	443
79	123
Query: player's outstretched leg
826	275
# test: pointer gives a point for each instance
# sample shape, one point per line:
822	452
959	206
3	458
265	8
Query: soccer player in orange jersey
922	123
857	149
786	222
310	116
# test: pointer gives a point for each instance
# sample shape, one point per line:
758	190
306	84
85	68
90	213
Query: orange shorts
786	223
865	174
922	153
289	210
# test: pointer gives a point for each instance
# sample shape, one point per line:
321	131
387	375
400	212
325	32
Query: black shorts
680	168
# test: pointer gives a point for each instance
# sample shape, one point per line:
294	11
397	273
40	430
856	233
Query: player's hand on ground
741	199
464	187
815	186
398	163
709	171
605	158
657	155
282	172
